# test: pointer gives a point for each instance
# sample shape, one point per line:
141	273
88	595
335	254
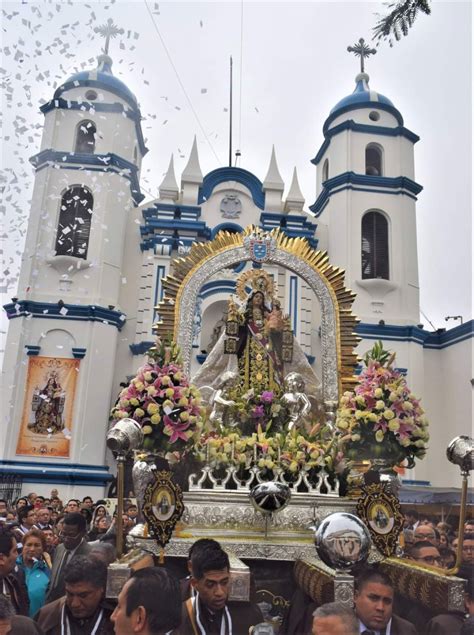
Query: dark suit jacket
56	584
15	582
402	627
49	619
445	624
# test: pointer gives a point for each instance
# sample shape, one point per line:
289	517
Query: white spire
192	172
273	180
295	199
169	187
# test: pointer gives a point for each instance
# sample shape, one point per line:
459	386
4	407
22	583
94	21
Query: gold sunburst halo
333	277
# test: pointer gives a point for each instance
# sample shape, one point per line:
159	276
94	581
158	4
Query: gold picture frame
163	506
380	510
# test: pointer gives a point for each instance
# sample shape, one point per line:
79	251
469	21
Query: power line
179	81
427	318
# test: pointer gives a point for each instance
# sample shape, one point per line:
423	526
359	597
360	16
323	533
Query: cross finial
108	31
361	50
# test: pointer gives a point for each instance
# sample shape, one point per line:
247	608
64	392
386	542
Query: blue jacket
37	580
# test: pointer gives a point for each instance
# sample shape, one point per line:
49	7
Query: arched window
85	137
74	226
326	170
373	160
375	246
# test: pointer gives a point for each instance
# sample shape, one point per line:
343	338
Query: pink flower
267	396
175	429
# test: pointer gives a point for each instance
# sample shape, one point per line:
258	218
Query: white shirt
363	627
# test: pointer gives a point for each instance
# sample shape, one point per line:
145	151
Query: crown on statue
257	280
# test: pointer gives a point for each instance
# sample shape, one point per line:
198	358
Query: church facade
97	254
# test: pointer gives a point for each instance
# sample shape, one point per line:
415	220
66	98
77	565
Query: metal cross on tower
361	50
108	31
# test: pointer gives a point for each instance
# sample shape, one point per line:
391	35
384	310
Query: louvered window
74	226
375	246
85	137
373	160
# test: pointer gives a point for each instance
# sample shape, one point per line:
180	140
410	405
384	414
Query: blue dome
363	96
101	77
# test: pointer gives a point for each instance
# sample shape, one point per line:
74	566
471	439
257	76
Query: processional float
262	447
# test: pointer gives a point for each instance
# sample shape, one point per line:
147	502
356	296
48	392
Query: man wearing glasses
73	544
425	552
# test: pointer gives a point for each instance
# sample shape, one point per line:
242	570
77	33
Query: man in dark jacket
12	581
13	624
74	544
83	610
373	605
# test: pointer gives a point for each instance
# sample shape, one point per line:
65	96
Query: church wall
211	208
57	338
448	401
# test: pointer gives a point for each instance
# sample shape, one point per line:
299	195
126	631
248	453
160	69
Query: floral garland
289	452
161	399
382	417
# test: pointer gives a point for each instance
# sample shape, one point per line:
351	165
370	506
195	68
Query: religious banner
46	423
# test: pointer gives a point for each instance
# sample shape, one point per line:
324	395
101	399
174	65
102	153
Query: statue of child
295	400
222	405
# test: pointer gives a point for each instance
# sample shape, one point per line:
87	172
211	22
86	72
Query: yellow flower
342	424
360	400
147	376
139	412
139	385
379	436
152	408
124	403
393	397
355	437
147	429
373	417
155	419
134	401
169	392
183	402
380	405
165	380
151	390
184	416
388	414
394	425
269	463
293	466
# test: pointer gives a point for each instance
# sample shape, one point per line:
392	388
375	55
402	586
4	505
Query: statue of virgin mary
257	343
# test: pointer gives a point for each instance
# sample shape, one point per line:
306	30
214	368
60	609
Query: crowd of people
53	575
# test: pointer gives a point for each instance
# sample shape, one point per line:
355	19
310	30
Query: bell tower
366	201
67	306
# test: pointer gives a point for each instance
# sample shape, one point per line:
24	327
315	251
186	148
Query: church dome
363	97
102	78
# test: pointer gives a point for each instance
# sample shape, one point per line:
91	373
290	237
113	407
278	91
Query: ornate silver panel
234	255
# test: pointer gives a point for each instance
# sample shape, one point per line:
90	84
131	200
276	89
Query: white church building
96	255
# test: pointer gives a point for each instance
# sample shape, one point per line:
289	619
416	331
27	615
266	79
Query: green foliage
400	19
377	354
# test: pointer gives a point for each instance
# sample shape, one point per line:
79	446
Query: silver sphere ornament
461	452
342	541
270	497
124	436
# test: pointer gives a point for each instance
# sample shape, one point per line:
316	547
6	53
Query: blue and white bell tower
85	192
366	202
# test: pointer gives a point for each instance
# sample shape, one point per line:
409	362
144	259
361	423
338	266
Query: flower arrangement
161	399
381	417
257	410
289	452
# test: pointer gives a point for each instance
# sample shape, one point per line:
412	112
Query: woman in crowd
34	563
99	529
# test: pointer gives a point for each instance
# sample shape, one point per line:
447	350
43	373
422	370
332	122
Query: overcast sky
290	68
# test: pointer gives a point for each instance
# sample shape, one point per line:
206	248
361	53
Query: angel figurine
221	403
295	400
